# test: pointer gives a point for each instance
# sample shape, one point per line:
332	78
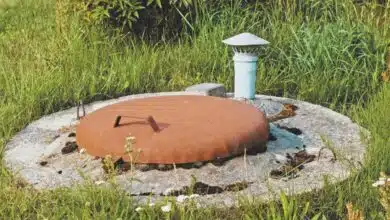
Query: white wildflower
194	196
151	204
138	209
181	198
381	182
82	150
166	208
100	182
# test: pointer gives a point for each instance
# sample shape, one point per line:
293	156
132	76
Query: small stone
43	163
59	172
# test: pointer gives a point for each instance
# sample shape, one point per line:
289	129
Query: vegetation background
54	53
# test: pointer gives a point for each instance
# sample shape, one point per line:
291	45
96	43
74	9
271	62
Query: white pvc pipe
245	66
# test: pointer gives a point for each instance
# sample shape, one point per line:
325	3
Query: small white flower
82	150
87	204
379	183
100	182
181	198
166	208
151	204
383	179
194	196
138	209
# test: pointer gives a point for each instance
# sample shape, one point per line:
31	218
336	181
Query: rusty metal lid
173	129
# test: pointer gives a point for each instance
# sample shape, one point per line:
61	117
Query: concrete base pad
322	130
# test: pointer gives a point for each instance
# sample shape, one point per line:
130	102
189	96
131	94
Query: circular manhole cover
174	129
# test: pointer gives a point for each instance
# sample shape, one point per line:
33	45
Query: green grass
330	54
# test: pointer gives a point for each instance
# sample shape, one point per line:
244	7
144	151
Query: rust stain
287	112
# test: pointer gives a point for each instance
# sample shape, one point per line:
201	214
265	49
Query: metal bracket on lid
80	104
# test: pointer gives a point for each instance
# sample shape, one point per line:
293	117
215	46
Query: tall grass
326	52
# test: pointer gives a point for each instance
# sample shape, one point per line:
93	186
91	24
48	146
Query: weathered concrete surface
42	140
211	89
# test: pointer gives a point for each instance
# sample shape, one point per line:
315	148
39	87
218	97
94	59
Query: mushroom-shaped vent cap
245	39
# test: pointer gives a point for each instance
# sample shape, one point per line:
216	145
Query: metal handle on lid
150	120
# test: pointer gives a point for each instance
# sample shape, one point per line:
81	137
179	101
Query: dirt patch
293	164
201	188
293	130
121	166
70	147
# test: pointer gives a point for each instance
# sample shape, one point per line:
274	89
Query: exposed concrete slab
210	89
43	139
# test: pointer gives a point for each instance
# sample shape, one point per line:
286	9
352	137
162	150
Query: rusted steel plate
181	129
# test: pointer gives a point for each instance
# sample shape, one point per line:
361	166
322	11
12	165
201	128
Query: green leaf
158	2
285	205
149	2
316	217
306	209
